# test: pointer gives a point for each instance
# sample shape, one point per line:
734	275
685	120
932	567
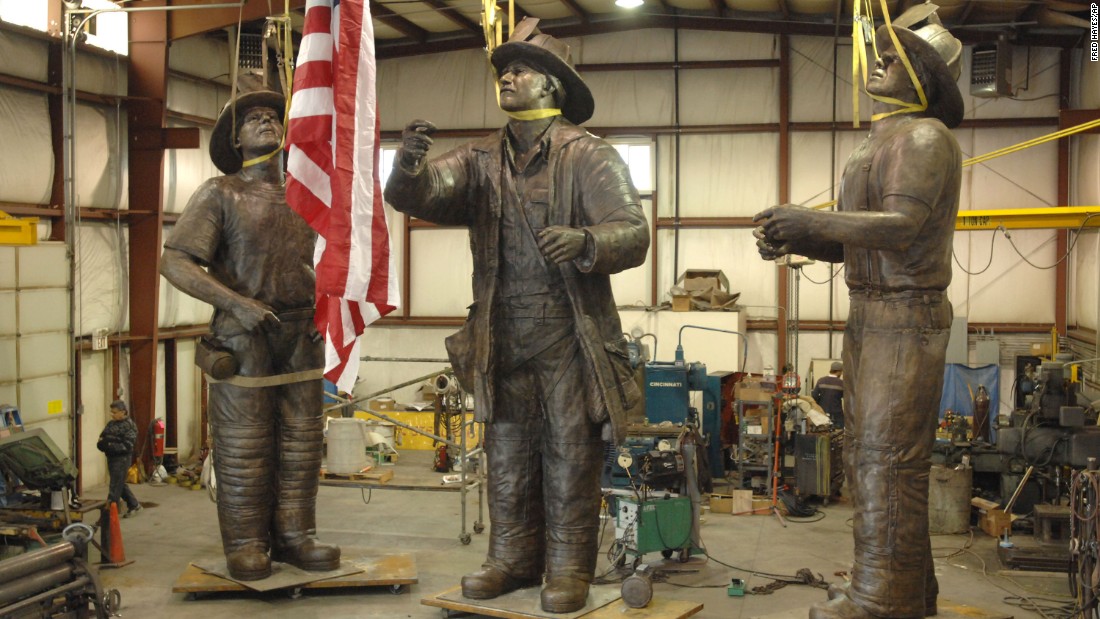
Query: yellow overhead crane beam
1055	217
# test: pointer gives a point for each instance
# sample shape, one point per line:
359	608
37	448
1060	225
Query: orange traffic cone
111	536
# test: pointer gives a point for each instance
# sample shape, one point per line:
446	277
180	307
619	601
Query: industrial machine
1029	469
55	581
658	525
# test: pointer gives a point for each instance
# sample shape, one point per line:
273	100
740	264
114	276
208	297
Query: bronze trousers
268	441
544	461
894	350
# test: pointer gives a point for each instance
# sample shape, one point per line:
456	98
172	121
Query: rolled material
44	579
35	561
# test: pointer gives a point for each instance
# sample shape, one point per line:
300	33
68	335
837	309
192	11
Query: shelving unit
756	441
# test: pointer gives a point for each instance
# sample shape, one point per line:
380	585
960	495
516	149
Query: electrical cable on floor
1016	598
958	551
365	494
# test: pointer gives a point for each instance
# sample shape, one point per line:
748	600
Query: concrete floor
180	526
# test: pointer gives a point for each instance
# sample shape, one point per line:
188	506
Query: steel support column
783	274
1061	246
148	88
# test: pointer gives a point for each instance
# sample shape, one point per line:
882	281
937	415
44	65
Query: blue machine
668	387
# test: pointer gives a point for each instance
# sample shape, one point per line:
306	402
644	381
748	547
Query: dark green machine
653	525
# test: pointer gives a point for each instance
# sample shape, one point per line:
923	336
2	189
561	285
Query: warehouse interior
720	109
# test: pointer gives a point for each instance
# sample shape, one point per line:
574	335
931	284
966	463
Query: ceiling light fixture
629	4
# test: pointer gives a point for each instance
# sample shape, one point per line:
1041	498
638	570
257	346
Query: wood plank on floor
362	571
604	602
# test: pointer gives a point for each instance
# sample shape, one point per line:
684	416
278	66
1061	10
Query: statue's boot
839	608
514	561
570	564
300	442
892	563
931	591
244	464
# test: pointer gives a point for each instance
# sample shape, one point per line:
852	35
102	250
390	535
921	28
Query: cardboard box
763	505
757	425
752	391
681	302
382	404
693	280
991	518
1041	350
738	501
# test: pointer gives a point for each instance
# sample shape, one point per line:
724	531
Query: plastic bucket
949	492
347	451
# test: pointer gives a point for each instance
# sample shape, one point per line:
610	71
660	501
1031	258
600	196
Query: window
386	154
29	13
638	155
109	30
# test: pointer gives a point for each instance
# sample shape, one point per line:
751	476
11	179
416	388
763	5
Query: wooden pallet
396	571
375	476
604	602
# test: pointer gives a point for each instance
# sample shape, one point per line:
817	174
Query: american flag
332	178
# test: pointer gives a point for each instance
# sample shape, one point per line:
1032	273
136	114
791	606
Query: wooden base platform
373	475
946	609
396	571
604	602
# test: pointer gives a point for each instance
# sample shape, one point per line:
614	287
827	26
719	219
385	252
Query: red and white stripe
332	178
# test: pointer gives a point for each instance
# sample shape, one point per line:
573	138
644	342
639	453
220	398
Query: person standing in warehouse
899	196
829	394
552	214
117	442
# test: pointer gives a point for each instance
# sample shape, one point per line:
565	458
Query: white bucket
347	451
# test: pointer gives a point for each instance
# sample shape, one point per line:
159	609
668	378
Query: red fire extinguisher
158	438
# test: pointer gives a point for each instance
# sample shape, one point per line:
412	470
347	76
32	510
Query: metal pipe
77	584
35	561
56	575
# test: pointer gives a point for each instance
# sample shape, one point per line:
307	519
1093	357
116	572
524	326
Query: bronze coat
590	188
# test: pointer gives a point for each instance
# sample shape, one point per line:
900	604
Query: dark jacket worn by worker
118	438
589	189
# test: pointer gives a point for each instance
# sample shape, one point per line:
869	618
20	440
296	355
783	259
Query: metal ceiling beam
965	15
716	7
447	43
578	11
398	23
623	24
183	24
452	14
784	9
1047	218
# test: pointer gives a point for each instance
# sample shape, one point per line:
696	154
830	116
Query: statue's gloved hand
767	250
252	314
562	243
786	222
415	142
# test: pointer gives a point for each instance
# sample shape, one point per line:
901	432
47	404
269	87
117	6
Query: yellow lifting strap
862	31
492	25
1000	152
284	40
